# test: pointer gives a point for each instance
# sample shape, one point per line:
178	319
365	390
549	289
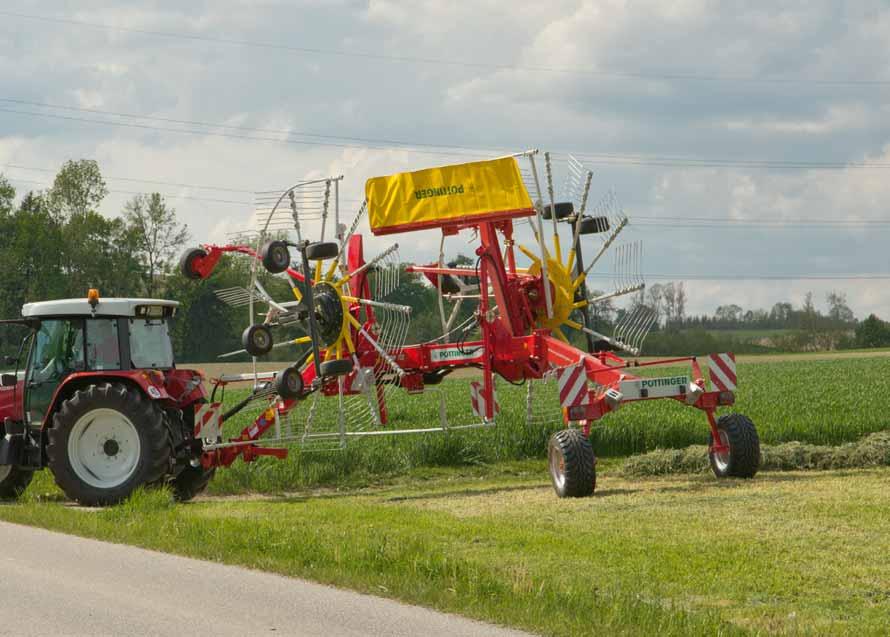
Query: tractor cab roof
104	307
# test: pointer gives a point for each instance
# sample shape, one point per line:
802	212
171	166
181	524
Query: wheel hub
328	312
104	448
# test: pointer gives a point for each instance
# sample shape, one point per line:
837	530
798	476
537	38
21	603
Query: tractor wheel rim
5	470
557	467
104	448
721	458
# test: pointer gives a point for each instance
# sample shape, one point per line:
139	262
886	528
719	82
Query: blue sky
631	86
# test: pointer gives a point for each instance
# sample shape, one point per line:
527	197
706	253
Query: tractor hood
105	307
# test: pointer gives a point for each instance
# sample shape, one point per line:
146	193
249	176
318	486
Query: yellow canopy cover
448	195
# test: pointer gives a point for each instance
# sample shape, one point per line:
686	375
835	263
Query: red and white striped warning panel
572	383
480	401
207	421
722	370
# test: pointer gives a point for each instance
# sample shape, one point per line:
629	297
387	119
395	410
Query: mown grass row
821	402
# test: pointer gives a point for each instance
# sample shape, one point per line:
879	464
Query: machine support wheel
13	481
336	367
289	383
257	339
191	482
572	464
322	251
107	440
743	458
275	256
187	262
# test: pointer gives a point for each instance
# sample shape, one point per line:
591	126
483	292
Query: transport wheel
257	339
13	481
321	251
191	482
563	209
594	225
275	256
743	458
572	464
289	383
337	367
187	262
107	440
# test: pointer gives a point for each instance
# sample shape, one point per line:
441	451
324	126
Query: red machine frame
511	346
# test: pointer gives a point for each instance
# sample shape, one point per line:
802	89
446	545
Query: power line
634	75
221	134
156	182
421	148
133	192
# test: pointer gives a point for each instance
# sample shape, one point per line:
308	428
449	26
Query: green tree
7	196
873	332
156	235
77	189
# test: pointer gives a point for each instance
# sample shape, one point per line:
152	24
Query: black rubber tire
289	383
594	225
15	483
578	468
321	251
146	416
187	262
191	482
563	209
257	339
337	367
275	256
744	448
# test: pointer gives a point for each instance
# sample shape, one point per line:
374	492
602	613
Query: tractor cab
77	336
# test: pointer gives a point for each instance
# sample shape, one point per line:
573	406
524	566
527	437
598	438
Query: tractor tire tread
14	484
146	416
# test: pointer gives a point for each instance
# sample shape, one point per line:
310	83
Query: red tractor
100	402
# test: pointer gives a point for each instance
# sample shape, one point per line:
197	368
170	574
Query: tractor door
56	352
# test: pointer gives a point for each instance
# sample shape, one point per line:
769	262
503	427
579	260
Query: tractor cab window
103	346
58	350
150	344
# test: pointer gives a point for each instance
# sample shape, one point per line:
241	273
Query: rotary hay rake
356	354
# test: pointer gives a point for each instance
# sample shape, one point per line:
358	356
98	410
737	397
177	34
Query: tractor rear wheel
743	458
107	440
191	482
13	481
572	464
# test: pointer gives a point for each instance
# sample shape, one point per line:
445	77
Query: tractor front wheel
13	481
572	464
107	440
742	460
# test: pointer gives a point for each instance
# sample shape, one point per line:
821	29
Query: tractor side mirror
8	380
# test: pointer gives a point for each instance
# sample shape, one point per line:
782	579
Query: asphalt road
55	584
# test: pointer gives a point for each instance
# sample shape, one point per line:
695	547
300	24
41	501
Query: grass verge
786	553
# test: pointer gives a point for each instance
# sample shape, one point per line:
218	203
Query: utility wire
872	276
637	75
420	148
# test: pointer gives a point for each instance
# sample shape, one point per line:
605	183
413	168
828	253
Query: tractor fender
138	379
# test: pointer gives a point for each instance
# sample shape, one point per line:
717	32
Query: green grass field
468	522
786	553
